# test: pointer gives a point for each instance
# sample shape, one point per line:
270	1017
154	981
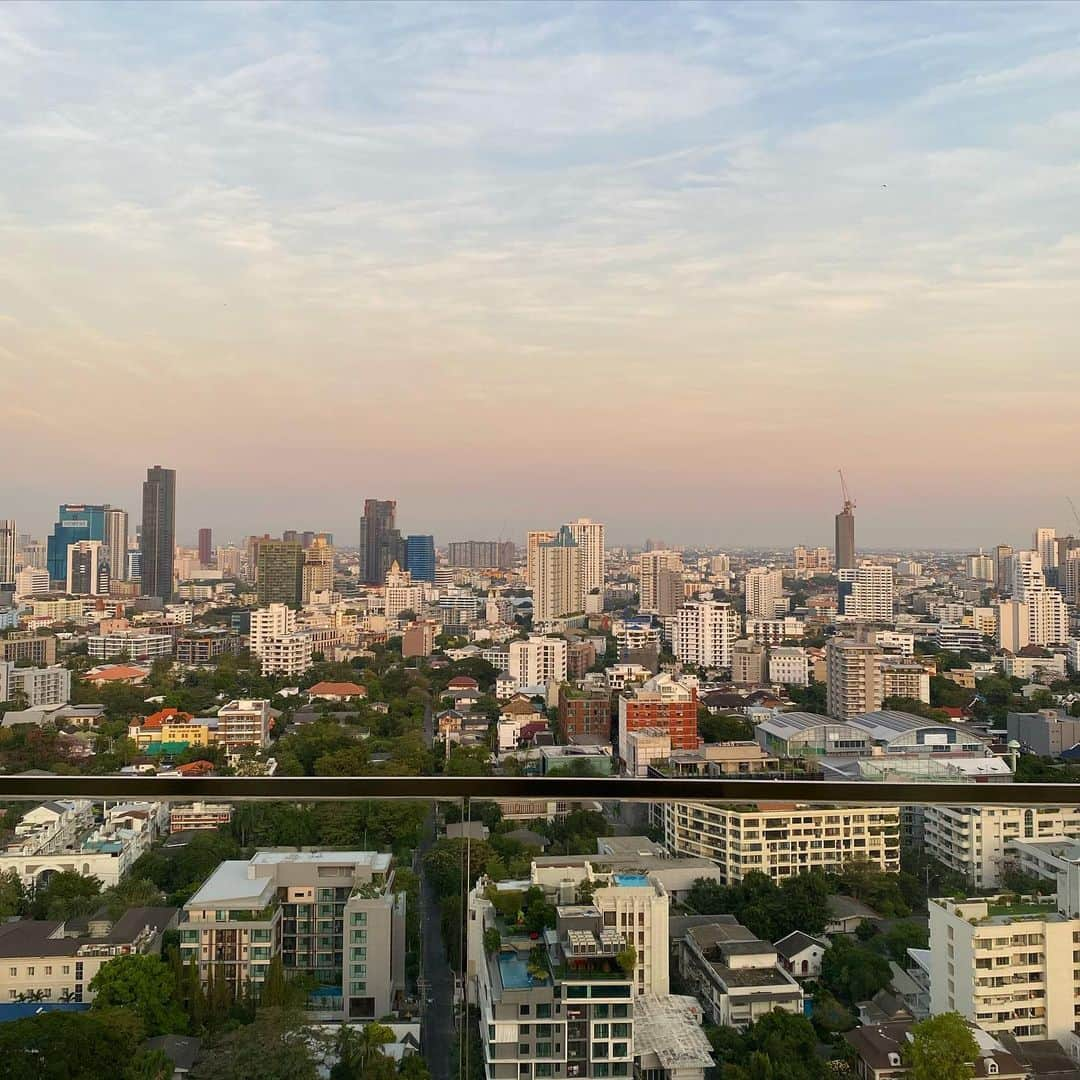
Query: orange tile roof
195	768
170	712
339	689
117	673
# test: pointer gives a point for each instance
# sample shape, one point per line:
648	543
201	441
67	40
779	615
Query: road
437	980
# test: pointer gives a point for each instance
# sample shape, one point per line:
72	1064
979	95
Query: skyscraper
558	578
8	543
845	536
206	547
589	536
116	542
158	544
1046	547
532	553
380	541
87	568
318	567
420	557
75	521
281	572
764	588
650	563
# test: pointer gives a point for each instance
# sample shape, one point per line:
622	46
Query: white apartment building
1048	668
31	582
538	661
979	567
1046	546
267	623
244	722
1072	654
871	595
636	904
589	536
401	594
764	590
1010	967
558	590
703	633
784	841
289	655
894	641
135	644
533	540
38	686
775	631
198	815
789	666
974	840
853	678
649	566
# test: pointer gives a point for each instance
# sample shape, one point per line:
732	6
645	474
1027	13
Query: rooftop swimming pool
514	972
631	881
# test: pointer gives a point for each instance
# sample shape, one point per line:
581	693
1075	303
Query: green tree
13	899
272	1047
66	895
492	940
144	984
941	1048
360	1054
71	1046
627	959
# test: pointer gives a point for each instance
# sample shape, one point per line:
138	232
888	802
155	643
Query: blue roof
20	1010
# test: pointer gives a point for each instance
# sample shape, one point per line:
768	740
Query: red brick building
582	713
664	703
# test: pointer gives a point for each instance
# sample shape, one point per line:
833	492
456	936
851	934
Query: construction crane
849	502
1076	513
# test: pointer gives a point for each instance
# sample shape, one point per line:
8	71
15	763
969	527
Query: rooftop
669	1026
230	884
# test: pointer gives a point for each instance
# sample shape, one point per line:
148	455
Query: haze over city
666	266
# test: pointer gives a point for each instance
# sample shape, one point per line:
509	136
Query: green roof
166	748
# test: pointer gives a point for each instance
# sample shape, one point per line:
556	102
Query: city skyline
848	232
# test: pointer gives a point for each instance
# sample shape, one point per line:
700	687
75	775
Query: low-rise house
846	914
337	691
879	1053
801	955
737	977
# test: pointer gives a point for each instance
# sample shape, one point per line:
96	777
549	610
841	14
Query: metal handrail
561	788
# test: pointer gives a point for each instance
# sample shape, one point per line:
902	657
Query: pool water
514	972
631	881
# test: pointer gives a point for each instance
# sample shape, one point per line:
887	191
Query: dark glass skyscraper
281	572
206	546
380	541
420	557
845	537
158	538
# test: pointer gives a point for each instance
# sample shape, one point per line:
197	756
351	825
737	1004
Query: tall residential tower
158	543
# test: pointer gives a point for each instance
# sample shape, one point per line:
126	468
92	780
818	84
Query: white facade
137	644
764	589
87	568
116	542
39	686
538	661
789	666
703	633
31	582
972	840
288	655
775	631
590	541
782	842
1045	544
401	594
871	594
244	722
274	621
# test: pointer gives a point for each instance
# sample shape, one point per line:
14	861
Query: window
543	1012
543	1049
620	1010
66	969
13	994
29	971
48	970
619	1049
523	1010
357	987
359	918
600	1031
523	1049
13	972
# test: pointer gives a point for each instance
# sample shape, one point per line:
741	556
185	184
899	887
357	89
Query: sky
668	266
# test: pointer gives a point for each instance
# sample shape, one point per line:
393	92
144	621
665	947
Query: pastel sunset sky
666	266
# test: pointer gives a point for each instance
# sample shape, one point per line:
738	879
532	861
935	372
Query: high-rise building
380	541
853	678
980	567
538	661
158	532
764	588
35	553
871	595
704	632
558	579
267	623
589	536
812	560
281	572
1046	547
532	553
1003	554
420	557
116	542
650	563
8	544
845	536
318	574
206	546
482	554
664	703
87	568
75	521
670	592
1047	613
748	663
401	595
291	536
